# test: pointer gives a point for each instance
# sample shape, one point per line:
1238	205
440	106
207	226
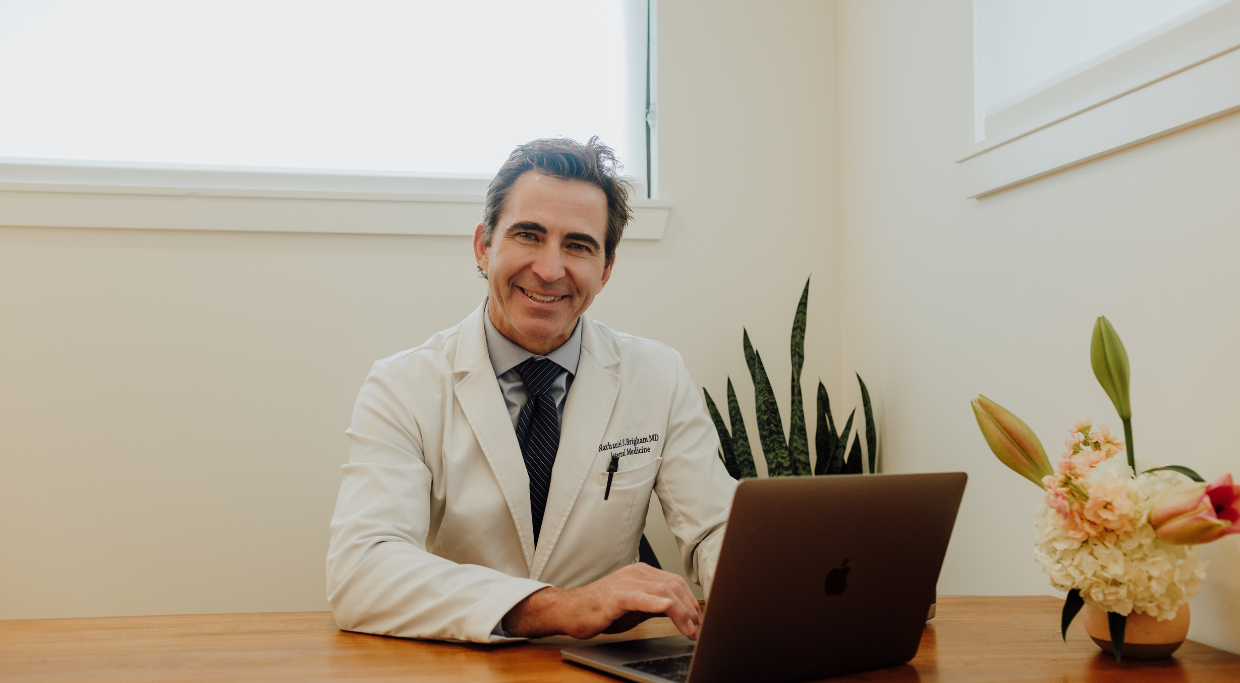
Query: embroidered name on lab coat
632	445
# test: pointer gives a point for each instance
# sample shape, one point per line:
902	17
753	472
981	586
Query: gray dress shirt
506	355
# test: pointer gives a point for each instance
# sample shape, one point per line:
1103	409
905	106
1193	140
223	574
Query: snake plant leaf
726	454
825	404
740	438
1071	605
871	436
1110	361
1182	470
798	440
1118	623
750	354
770	424
853	466
837	460
798	332
824	435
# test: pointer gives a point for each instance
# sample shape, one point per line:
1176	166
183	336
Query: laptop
818	576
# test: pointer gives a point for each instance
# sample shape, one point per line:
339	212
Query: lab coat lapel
477	390
587	411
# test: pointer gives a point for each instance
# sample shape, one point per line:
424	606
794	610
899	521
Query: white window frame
80	194
1177	75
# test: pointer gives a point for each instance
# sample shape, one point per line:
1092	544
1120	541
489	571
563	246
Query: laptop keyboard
672	668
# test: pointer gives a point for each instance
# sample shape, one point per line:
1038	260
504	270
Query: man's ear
480	247
607	273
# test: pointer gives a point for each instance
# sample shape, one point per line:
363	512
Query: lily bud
1012	441
1193	514
1110	361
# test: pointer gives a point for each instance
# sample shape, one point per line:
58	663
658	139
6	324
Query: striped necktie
538	431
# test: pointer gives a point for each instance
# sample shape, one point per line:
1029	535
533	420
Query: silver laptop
818	576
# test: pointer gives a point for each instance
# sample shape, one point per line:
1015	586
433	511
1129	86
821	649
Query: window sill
1182	74
160	197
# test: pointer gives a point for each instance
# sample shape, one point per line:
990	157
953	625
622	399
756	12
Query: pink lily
1193	514
1011	440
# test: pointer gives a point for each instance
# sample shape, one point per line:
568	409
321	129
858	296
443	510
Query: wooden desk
972	639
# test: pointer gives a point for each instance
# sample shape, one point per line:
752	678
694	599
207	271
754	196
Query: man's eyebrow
527	226
583	237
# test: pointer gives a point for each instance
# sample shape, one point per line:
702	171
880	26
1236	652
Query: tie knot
538	374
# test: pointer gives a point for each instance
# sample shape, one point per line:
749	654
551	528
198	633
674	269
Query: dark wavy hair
593	163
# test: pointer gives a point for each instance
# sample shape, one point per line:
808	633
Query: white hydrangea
1126	572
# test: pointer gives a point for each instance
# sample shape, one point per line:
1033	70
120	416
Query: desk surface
978	639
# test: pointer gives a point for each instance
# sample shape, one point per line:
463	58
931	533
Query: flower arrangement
1112	538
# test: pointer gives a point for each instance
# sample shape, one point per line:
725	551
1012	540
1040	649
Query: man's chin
541	333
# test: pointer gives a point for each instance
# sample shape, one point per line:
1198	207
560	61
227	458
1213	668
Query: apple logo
837	579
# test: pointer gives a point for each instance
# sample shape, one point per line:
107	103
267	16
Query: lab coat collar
480	398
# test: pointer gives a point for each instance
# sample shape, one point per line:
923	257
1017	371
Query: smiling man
500	473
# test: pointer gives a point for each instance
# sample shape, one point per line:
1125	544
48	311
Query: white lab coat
432	534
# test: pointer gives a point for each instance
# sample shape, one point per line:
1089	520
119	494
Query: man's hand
623	599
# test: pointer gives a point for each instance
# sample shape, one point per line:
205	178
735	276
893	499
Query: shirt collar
506	354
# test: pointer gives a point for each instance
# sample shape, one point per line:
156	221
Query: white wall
946	297
172	404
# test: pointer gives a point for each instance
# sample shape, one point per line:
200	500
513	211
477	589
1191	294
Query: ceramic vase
1144	636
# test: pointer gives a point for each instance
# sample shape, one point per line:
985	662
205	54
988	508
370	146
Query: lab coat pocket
630	496
631	478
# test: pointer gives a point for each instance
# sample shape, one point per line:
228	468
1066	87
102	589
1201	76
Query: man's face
546	260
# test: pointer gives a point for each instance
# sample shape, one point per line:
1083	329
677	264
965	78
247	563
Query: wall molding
1178	75
36	193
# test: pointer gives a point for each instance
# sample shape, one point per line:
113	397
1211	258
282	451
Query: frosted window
1021	43
425	87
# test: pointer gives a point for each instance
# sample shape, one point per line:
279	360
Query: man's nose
549	263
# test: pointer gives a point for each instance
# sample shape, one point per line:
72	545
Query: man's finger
686	622
686	594
640	600
674	588
689	607
683	592
682	613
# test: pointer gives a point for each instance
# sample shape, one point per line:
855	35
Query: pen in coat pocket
611	472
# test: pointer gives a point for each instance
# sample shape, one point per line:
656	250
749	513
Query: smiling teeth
541	299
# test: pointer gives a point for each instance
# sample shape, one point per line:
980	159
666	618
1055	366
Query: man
499	474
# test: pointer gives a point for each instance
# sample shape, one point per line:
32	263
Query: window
1061	82
1023	44
332	100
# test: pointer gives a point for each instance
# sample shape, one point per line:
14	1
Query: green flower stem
1132	461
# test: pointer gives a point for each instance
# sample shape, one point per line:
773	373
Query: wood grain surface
971	639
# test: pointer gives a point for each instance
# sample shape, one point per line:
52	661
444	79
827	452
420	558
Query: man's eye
580	247
526	235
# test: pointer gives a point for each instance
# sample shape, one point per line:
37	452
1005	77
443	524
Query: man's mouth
540	298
